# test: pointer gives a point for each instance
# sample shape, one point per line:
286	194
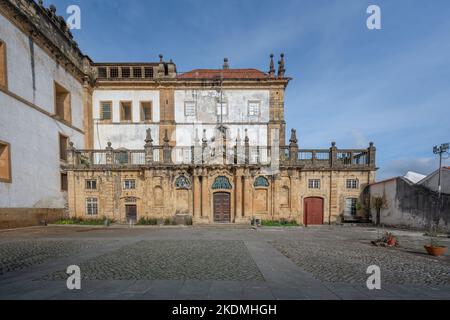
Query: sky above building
350	84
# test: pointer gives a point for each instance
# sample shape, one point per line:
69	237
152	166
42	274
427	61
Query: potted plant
390	239
434	248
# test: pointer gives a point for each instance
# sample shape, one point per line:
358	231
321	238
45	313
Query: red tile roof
225	73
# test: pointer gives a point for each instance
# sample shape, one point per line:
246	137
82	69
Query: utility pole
440	150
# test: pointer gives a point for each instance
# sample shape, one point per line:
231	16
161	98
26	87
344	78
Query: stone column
238	196
196	194
247	195
206	212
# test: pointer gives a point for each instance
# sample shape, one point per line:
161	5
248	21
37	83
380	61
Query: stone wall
26	217
156	194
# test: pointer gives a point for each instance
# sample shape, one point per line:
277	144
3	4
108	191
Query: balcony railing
231	155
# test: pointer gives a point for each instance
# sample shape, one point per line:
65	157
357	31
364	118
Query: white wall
236	100
34	136
46	70
130	136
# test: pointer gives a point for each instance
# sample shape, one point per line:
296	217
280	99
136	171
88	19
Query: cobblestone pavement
22	254
217	262
336	262
174	260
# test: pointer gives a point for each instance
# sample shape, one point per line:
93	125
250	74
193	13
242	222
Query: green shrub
147	221
167	222
82	221
279	223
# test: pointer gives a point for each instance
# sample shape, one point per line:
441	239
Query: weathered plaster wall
411	205
432	181
31	73
236	101
130	136
34	135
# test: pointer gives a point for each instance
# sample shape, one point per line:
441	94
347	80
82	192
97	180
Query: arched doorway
313	211
221	207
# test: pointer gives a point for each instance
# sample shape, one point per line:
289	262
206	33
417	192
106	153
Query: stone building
146	141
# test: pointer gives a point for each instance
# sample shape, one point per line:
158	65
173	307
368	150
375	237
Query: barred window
91	184
189	109
114	72
253	108
125	72
352	183
148	72
129	184
105	111
314	184
137	72
91	206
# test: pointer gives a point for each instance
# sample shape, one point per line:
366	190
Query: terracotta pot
391	242
435	251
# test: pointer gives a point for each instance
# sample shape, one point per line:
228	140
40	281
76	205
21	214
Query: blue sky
350	84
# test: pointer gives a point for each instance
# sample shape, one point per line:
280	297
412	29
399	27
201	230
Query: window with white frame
91	206
253	108
189	109
352	183
222	109
314	183
129	184
350	207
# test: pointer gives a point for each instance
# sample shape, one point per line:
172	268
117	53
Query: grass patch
81	221
279	223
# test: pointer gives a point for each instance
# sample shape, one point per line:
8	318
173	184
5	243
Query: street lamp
440	150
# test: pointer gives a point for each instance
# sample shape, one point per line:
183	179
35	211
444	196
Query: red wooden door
313	211
221	207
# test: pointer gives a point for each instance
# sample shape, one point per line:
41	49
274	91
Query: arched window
182	182
261	182
221	182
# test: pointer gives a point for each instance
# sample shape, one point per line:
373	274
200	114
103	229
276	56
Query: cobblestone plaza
217	263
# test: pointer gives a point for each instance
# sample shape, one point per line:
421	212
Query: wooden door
313	211
221	207
131	212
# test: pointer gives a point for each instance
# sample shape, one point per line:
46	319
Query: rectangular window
222	109
253	108
125	72
350	206
91	184
125	111
105	110
114	72
64	184
63	108
148	72
189	109
3	73
146	111
137	72
101	72
129	184
352	184
314	184
63	144
91	206
5	162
